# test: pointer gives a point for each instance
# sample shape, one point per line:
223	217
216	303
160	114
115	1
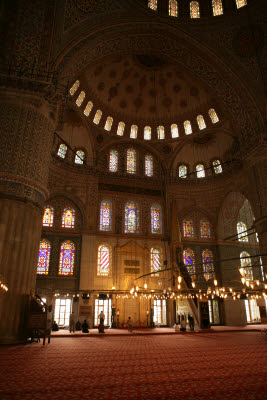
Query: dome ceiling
144	88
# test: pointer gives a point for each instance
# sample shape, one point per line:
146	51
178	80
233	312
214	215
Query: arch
147	133
156	218
66	259
187	127
245	263
200	170
205	229
88	108
120	129
79	157
113	161
188	228
149	165
201	122
97	117
131	221
155	260
174	131
131	161
208	266
104	260
217	7
194	9
80	98
161	133
213	116
182	171
217	167
173	8
189	262
68	218
74	87
44	257
108	124
134	130
105	216
241	228
48	217
62	150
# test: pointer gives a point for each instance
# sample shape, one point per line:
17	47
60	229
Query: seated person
54	326
85	327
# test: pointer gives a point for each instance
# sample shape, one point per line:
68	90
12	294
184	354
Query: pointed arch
88	108
48	217
131	224
74	87
155	260
245	262
156	218
108	124
147	133
80	98
173	8
205	231
148	165
62	150
68	218
213	116
208	266
105	216
66	259
131	161
242	232
188	228
217	7
194	9
134	130
201	122
174	131
104	260
113	161
44	257
120	129
189	262
200	170
187	127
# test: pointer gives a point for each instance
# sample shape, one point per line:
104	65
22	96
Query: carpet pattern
204	366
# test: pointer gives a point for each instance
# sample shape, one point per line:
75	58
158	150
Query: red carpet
209	366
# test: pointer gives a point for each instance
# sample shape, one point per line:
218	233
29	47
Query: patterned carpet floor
203	366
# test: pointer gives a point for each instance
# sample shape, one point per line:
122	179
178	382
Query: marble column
26	132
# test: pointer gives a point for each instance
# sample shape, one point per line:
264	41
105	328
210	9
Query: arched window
131	217
153	4
97	117
240	3
120	129
188	228
66	259
44	257
74	87
208	266
105	216
155	218
155	260
217	7
131	161
213	116
147	133
104	260
187	127
173	8
217	166
88	108
108	123
189	262
200	171
242	232
148	165
201	122
79	157
80	99
68	218
48	216
204	229
113	160
245	262
194	9
161	134
174	131
134	130
182	171
62	150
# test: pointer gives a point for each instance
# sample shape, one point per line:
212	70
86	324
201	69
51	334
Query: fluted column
25	151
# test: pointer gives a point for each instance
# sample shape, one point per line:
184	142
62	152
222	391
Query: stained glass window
134	130
208	266
217	7
194	9
182	171
153	4
62	150
88	108
201	122
113	160
74	87
155	218
108	123
148	165
131	161
104	260
173	8
242	232
120	129
79	157
66	259
188	228
174	131
44	257
155	260
48	216
80	99
200	171
245	262
217	167
97	117
106	216
131	217
161	134
147	133
189	262
213	116
187	127
68	218
204	229
240	3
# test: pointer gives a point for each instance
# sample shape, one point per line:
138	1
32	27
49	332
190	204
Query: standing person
183	324
72	322
130	324
101	317
85	327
